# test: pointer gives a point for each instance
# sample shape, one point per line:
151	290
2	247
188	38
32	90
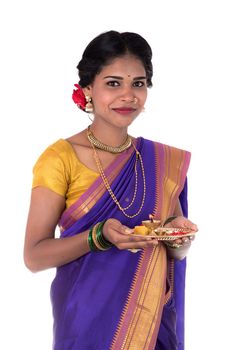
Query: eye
113	83
139	83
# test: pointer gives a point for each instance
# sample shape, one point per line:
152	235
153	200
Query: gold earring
89	105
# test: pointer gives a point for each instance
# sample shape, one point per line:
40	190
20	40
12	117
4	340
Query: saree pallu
116	299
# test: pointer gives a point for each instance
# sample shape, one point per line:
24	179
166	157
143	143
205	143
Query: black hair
108	46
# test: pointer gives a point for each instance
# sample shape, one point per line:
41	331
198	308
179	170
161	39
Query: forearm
54	252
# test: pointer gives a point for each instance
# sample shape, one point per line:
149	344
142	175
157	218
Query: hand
121	236
182	222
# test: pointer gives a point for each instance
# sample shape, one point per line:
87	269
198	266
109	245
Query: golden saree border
140	319
171	168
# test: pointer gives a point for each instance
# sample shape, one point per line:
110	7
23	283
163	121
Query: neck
109	134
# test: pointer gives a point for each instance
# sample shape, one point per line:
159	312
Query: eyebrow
121	78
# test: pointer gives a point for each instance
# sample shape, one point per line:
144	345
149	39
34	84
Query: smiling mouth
124	110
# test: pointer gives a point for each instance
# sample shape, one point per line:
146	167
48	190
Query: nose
129	99
128	96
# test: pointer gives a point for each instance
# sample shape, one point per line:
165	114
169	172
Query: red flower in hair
79	97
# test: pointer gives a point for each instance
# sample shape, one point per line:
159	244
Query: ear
88	90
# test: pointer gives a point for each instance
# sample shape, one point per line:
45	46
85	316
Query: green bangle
168	220
96	240
91	244
94	236
104	243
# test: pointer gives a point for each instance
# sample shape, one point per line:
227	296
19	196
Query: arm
41	249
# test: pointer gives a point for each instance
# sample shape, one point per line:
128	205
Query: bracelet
96	239
168	220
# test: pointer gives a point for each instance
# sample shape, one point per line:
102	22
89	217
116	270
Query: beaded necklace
107	185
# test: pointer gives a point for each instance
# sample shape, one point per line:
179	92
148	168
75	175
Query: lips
124	110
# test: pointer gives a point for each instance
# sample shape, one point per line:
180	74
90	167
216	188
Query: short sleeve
50	171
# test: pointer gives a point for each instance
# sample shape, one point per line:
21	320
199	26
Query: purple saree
116	299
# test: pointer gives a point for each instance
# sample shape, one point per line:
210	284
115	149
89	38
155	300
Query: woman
97	186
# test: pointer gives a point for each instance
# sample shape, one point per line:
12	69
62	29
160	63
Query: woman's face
119	91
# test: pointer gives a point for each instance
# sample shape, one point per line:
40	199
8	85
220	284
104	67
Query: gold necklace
107	185
92	139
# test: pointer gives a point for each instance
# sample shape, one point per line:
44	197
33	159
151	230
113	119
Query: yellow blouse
60	170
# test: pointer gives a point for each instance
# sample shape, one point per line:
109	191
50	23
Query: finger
122	231
178	241
189	224
131	238
137	245
119	238
185	223
186	242
192	237
126	230
182	241
140	238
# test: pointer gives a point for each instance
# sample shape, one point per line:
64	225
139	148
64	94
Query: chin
125	121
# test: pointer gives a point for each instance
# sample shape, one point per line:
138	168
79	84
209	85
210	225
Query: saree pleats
115	299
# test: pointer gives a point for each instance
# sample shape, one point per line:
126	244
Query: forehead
126	65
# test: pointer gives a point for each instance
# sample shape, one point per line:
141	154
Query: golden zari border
140	322
174	160
140	331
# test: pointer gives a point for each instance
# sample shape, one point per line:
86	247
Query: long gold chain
119	149
107	185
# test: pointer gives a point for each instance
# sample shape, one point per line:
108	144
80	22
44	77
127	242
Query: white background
190	106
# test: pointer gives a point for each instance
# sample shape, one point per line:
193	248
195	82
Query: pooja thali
152	229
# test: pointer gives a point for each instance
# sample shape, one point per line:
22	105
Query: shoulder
60	151
53	167
58	158
60	148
